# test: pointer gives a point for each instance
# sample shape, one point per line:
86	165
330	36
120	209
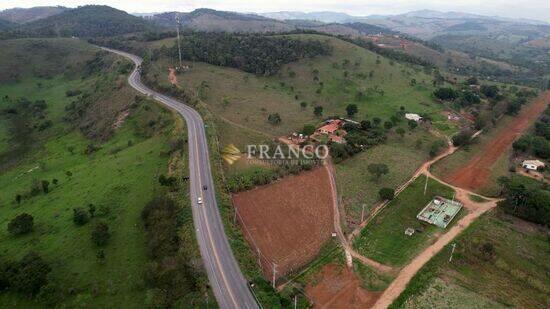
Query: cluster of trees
537	143
26	276
462	138
365	135
253	53
100	232
388	52
36	188
169	274
531	203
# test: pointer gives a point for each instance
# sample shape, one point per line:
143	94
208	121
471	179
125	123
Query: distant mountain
326	16
85	21
21	16
212	20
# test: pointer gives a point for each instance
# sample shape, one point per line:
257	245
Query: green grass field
384	239
403	157
515	275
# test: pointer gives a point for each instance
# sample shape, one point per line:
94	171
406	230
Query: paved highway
228	283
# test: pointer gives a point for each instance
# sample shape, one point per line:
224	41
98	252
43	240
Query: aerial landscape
321	154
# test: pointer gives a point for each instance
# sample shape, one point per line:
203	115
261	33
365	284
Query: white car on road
199	200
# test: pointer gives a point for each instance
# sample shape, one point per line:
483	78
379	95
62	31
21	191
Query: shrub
21	224
386	193
462	138
100	234
80	216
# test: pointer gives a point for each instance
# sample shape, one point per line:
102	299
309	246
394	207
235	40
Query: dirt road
476	172
338	228
407	273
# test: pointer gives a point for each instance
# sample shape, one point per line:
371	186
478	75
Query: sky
532	9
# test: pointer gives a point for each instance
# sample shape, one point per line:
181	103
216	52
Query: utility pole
178	32
426	185
452	251
274	272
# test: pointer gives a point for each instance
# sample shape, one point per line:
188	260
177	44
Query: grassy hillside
351	75
498	261
116	174
22	15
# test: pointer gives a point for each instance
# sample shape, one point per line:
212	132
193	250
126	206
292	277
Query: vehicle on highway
204	188
199	201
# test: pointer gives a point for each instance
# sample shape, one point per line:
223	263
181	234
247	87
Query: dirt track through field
339	287
476	172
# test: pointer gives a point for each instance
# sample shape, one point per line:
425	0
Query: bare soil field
288	221
476	172
337	287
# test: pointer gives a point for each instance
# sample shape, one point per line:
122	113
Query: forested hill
251	53
5	25
84	21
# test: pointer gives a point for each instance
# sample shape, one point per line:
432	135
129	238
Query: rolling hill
5	25
84	21
21	15
212	20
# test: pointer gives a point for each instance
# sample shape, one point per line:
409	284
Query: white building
411	116
533	164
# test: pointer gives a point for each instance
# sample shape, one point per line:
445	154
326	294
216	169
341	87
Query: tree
365	125
400	131
412	124
386	193
351	109
22	224
45	186
488	251
18	198
388	125
274	119
318	111
80	216
446	94
412	82
100	234
303	104
308	129
376	121
489	91
377	170
472	81
28	275
462	138
100	255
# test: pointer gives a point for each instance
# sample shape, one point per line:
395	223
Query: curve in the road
228	283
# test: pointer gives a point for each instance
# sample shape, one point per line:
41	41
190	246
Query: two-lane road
228	283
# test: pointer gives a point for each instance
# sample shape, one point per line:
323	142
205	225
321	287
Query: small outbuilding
414	117
533	165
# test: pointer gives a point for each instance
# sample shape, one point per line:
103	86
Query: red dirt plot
288	221
475	173
338	287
